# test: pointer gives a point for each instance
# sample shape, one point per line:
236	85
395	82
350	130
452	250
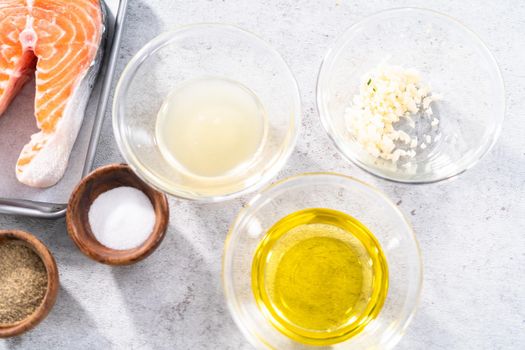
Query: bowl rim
42	311
122	257
127	77
229	294
324	115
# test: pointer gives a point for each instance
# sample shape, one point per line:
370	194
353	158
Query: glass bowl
332	191
200	51
451	59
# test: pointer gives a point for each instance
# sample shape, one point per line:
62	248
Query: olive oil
319	276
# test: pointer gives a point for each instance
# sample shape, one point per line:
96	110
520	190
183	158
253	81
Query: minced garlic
388	95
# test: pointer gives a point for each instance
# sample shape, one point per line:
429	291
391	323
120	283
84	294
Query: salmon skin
60	43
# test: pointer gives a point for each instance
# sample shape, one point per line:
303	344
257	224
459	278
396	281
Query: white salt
122	218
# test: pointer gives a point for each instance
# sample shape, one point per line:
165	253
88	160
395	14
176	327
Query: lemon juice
319	276
211	127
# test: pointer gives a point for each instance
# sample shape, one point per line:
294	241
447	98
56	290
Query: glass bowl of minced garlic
411	95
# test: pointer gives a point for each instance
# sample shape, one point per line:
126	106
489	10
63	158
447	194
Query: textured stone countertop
471	229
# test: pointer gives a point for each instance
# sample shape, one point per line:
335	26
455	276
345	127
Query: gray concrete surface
471	229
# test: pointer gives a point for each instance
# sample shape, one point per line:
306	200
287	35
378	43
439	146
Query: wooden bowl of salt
115	218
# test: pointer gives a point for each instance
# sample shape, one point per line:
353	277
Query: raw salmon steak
61	41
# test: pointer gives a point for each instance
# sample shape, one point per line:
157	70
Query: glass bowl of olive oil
325	260
206	112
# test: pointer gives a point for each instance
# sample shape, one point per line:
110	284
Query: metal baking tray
15	130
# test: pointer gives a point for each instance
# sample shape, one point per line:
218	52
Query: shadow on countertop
68	326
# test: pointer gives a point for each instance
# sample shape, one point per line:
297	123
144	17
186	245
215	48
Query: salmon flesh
59	42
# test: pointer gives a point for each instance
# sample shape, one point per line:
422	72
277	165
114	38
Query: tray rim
46	210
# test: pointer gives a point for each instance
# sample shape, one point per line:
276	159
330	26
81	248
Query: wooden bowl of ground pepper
28	282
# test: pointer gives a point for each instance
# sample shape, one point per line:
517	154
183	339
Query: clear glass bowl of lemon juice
206	112
325	260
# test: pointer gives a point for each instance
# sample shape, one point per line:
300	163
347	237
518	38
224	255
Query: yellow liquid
319	276
210	127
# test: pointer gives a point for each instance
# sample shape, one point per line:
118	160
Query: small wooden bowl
48	302
96	183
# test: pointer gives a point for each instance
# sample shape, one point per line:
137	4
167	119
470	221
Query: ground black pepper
23	281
